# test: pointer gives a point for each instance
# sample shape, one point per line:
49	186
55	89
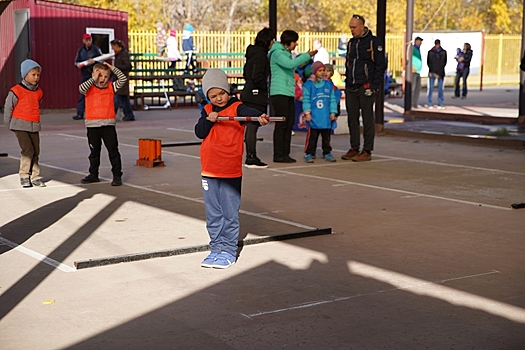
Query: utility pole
522	73
381	35
273	15
409	48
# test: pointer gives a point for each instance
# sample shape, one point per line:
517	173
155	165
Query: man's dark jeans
358	103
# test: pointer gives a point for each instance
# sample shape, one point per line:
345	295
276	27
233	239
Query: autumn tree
494	16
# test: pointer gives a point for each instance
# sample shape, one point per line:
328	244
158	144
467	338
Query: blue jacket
187	41
319	98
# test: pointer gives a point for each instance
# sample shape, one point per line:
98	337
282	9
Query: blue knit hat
189	28
26	67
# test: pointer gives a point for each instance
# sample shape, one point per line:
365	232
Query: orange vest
100	103
221	151
28	106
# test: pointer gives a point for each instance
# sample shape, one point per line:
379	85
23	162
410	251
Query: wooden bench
229	62
154	87
151	77
155	99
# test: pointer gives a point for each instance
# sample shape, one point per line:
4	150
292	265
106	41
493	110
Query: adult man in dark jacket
85	53
365	69
436	61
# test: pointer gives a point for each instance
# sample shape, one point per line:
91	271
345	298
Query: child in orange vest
221	160
100	120
22	115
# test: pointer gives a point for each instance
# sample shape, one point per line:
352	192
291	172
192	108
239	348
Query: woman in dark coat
463	71
255	92
122	62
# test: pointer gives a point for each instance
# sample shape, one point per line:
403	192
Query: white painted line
326	164
437	291
197	200
135	146
183	130
73	136
417	286
425	162
282	171
375	155
455	165
415	194
38	256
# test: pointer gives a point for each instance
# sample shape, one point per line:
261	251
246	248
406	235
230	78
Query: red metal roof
56	31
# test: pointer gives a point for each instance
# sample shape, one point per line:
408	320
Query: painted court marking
415	194
67	268
198	200
455	165
132	146
302	146
434	289
37	256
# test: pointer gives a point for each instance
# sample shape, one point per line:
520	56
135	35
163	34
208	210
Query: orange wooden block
150	153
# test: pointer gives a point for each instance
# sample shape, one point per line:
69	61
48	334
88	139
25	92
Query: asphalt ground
425	251
483	115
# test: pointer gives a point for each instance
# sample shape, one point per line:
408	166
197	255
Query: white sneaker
429	106
440	107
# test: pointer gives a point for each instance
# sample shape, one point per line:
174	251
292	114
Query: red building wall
56	31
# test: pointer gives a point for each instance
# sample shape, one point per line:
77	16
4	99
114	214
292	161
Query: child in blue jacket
320	109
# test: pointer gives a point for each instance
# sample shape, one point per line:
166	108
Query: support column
408	61
381	35
521	118
273	15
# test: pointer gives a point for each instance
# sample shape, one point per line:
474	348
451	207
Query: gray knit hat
215	78
26	67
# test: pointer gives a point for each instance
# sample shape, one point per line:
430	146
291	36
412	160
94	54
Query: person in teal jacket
282	91
417	65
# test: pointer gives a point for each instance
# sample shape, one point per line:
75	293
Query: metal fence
501	65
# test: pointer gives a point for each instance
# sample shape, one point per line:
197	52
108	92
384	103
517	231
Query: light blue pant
222	201
430	90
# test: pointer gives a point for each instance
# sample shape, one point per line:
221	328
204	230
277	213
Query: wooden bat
101	58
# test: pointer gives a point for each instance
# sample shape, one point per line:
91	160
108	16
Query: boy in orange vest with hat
221	160
22	115
100	120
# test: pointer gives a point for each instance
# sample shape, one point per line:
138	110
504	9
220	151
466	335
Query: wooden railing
502	52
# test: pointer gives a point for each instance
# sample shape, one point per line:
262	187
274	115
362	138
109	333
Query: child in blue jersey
320	109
